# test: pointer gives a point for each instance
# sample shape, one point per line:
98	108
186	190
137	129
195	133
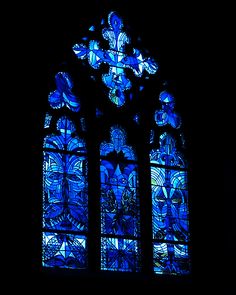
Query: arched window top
117	59
118	144
167	154
66	140
95	187
63	95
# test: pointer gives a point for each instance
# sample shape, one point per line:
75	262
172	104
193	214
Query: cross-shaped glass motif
116	58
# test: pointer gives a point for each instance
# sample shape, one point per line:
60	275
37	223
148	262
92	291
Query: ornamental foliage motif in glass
116	58
65	189
170	215
63	95
120	216
166	115
65	212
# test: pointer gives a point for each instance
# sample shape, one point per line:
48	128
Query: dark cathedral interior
176	36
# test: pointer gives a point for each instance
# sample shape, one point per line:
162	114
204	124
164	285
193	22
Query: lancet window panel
65	197
93	219
120	208
170	208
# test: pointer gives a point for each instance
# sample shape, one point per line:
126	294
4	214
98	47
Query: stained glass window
117	59
167	115
120	217
118	179
65	185
170	205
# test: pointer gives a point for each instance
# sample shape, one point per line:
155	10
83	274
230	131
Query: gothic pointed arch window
65	184
115	180
170	208
120	212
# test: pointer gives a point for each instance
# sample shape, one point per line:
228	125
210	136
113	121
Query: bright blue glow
170	205
47	121
166	115
167	154
170	211
66	139
120	214
116	58
63	95
120	255
65	198
171	259
136	118
151	140
118	139
65	173
141	88
64	250
92	29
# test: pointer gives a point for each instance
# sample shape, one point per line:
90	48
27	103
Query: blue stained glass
166	115
118	138
47	121
169	205
167	154
120	214
65	198
116	58
119	204
63	95
64	250
170	211
171	259
151	139
65	192
65	173
66	140
120	254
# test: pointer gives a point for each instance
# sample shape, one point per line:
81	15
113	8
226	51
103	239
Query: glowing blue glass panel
116	80
64	250
171	259
47	120
120	255
65	197
119	202
66	139
120	211
170	209
136	118
63	95
65	192
166	115
170	205
167	154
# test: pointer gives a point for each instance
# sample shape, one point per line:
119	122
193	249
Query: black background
183	38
